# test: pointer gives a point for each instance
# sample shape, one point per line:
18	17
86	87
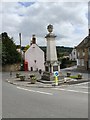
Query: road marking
78	86
35	91
83	83
71	90
83	87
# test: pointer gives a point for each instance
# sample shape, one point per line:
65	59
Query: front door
31	68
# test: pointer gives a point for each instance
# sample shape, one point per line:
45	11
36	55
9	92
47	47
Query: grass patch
75	77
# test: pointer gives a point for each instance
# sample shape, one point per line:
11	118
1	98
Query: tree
9	52
26	47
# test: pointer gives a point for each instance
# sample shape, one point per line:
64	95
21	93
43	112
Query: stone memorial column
51	64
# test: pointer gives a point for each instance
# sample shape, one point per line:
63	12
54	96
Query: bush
22	78
33	79
17	75
68	74
79	76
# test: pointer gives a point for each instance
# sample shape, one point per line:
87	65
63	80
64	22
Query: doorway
26	66
31	68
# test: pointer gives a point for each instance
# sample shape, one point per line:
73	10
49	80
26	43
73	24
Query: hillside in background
61	50
62	54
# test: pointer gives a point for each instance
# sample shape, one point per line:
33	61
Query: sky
69	20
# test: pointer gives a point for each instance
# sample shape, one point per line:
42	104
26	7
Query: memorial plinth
51	64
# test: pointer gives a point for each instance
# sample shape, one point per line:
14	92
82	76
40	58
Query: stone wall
14	67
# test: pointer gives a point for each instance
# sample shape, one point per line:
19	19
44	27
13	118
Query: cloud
89	14
68	18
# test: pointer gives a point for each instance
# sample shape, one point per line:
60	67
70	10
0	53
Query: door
31	68
26	66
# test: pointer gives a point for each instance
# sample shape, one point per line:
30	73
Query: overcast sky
69	19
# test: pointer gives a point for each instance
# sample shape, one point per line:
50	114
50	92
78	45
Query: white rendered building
73	55
34	56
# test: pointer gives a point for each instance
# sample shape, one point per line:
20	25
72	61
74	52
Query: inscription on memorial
55	68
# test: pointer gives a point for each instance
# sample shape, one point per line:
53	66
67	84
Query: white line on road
82	87
70	90
83	83
35	91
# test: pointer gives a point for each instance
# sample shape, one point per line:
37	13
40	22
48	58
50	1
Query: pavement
75	69
45	84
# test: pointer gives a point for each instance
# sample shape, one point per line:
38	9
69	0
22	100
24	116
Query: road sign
56	73
56	77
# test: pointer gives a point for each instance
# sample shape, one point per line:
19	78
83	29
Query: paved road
25	102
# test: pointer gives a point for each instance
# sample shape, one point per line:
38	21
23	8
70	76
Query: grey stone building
83	53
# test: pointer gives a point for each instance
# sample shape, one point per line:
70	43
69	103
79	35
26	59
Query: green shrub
33	79
17	75
22	78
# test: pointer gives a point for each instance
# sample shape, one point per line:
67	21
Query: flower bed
22	77
33	79
17	75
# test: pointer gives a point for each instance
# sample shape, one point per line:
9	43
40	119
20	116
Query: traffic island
46	84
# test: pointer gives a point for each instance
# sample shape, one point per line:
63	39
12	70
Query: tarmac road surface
69	101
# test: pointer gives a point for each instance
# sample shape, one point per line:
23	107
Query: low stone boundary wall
14	67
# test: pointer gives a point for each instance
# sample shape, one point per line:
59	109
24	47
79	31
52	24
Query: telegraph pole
20	51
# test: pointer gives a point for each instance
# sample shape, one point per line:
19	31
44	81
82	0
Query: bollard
10	73
56	80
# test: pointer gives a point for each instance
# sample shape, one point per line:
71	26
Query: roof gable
84	43
32	46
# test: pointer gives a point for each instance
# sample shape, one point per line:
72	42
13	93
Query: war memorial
52	65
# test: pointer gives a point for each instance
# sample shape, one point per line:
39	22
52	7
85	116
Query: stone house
83	53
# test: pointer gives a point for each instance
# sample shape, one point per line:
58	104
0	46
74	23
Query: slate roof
85	43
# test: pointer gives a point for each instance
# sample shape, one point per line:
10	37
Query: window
78	62
89	51
78	54
83	52
82	62
89	63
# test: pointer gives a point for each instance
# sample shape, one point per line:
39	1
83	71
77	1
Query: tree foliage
61	51
26	47
9	52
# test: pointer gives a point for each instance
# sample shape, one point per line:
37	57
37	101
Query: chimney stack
33	39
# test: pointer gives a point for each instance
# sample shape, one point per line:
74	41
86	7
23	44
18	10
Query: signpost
56	77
